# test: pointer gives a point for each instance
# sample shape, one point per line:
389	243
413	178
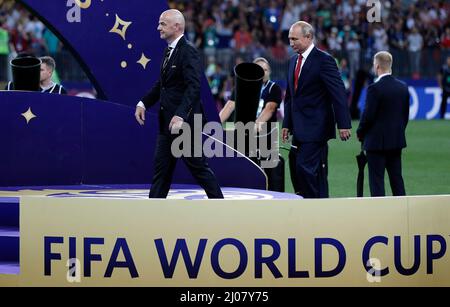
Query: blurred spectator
345	75
217	82
291	15
381	39
431	50
210	39
4	48
272	15
51	43
415	44
279	51
445	43
354	50
242	38
334	43
397	46
34	27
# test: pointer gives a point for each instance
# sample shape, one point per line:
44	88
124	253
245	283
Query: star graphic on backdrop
28	115
144	61
120	27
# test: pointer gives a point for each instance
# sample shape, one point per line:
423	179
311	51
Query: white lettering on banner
437	96
414	107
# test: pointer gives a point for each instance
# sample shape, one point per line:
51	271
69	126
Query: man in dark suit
382	127
315	101
178	91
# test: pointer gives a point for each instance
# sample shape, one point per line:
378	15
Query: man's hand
285	134
175	123
258	127
345	134
140	115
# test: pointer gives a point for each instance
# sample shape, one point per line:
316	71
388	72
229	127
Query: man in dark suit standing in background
315	101
178	91
382	127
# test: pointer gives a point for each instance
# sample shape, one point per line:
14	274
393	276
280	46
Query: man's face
298	41
448	61
46	72
167	27
266	69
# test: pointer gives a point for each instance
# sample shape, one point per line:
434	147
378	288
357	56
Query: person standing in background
382	127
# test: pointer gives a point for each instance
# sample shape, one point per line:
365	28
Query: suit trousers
312	170
390	160
164	167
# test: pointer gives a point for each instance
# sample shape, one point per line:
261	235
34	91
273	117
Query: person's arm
267	113
330	75
152	96
287	121
273	101
369	113
226	111
406	109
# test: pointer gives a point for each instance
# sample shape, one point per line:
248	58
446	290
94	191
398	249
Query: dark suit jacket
178	88
385	115
311	113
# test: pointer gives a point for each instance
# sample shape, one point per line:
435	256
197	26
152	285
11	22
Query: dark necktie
167	56
297	71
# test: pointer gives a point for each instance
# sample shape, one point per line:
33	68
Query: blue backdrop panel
109	39
47	149
94	141
101	51
73	140
116	149
426	97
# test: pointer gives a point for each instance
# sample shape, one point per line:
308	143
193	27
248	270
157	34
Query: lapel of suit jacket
174	55
306	67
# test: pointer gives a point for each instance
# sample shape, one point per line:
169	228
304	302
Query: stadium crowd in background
417	33
25	33
21	32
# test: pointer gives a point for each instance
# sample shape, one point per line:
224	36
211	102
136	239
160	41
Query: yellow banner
335	242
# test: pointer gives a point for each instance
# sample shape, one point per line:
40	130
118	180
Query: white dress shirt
383	75
305	55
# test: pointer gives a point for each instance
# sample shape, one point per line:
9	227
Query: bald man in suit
178	91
